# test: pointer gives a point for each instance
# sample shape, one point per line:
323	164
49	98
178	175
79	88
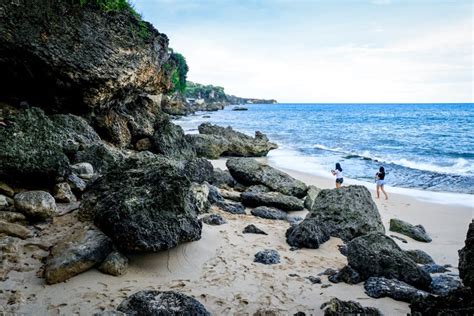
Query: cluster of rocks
214	141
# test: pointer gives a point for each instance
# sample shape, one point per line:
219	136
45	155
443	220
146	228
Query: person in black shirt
380	181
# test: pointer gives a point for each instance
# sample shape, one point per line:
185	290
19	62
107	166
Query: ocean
422	146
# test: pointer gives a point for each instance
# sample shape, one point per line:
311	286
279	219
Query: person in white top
338	173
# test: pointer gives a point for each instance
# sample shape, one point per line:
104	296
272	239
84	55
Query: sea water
421	146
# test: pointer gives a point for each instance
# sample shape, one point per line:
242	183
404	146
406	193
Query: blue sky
324	51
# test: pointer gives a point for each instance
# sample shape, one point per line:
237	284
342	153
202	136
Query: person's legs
385	193
378	191
338	185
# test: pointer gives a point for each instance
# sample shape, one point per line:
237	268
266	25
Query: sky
315	51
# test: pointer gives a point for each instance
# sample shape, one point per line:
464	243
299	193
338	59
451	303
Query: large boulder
398	290
311	196
223	179
466	258
347	212
377	255
169	140
417	232
249	172
419	256
272	199
269	213
87	60
38	205
82	249
150	303
307	234
114	264
149	208
36	148
214	141
459	302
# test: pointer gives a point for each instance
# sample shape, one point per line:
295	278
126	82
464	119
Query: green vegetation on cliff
111	5
179	73
206	92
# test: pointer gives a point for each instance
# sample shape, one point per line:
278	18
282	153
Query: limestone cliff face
81	59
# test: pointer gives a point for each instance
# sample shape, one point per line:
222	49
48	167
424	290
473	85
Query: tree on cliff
178	76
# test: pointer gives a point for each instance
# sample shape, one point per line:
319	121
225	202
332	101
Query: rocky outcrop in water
417	232
250	172
466	258
347	212
214	141
377	255
148	208
151	302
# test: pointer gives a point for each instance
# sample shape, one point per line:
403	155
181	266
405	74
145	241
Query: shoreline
445	223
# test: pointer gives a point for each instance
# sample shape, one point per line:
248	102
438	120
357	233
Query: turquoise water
423	146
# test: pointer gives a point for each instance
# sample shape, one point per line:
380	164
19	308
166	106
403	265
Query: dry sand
219	270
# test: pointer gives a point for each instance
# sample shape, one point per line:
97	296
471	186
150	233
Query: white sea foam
459	166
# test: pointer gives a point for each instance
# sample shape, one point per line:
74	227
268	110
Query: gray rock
83	170
294	220
214	195
342	249
308	234
272	199
148	208
457	302
214	141
466	258
419	256
230	195
110	313
378	255
433	268
346	275
76	183
36	204
443	284
62	193
347	212
115	264
416	232
169	140
250	172
78	252
15	230
12	217
200	196
398	290
258	188
328	272
252	229
6	190
213	219
150	303
269	213
313	279
336	307
267	256
222	179
311	196
233	208
3	202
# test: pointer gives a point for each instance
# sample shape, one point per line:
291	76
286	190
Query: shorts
380	182
339	180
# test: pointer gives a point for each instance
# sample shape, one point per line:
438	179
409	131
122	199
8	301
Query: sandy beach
219	271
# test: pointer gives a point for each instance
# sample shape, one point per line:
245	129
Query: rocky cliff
83	58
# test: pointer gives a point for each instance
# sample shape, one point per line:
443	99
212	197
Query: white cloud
434	66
